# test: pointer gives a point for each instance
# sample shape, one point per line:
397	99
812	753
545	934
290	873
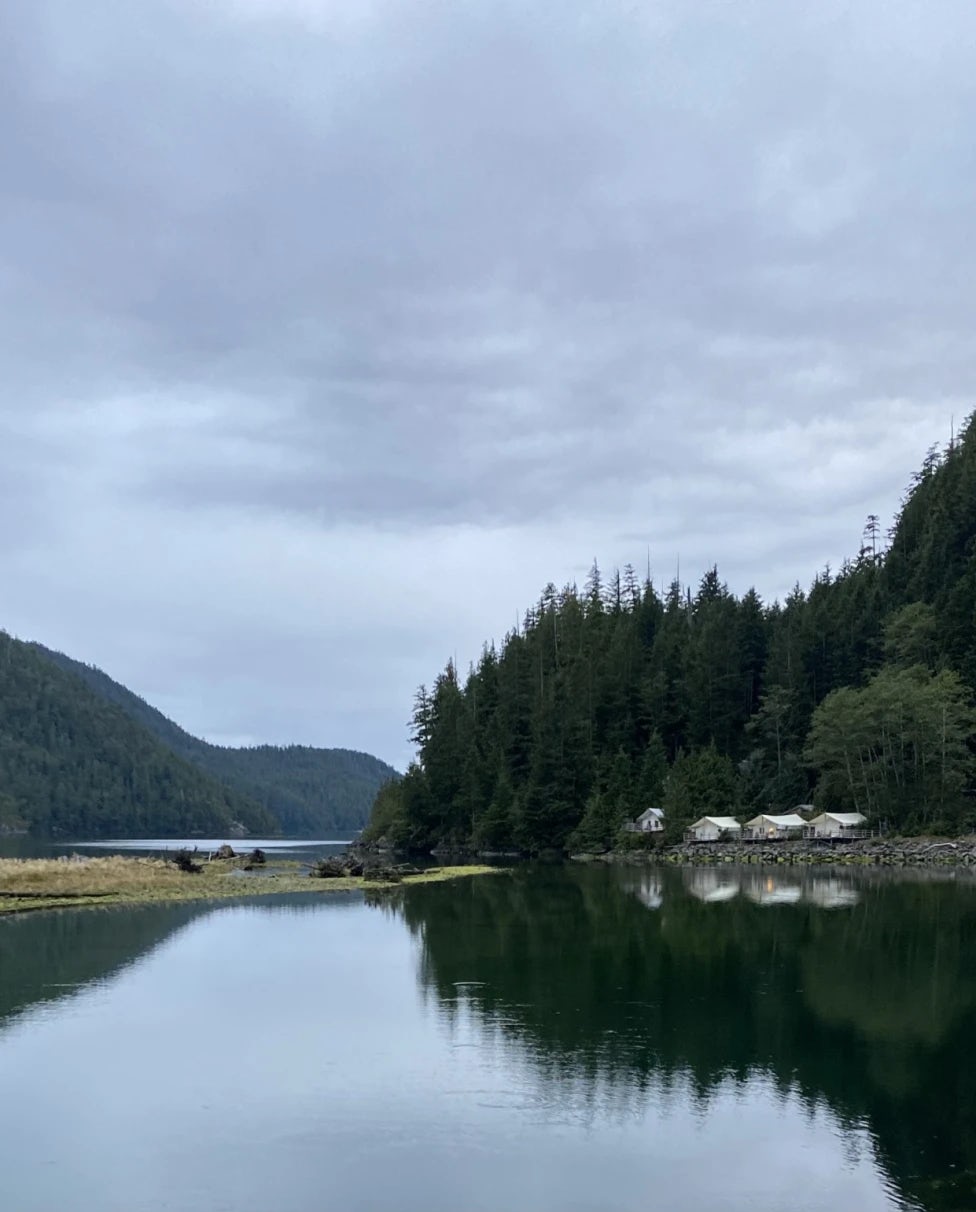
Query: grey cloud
497	266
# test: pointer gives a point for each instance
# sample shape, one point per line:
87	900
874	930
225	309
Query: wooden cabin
651	820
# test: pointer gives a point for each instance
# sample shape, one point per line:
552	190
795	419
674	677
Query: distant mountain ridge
306	789
74	765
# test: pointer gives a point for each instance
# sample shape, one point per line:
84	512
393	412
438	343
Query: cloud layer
334	330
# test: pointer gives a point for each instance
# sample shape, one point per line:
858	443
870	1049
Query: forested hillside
607	700
308	790
73	765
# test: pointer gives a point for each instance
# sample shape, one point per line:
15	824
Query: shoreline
34	885
920	852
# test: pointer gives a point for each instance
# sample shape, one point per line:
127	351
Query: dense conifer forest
73	765
307	790
855	693
81	756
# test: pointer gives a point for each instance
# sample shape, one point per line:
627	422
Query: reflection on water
739	976
575	1039
770	886
310	849
828	892
646	884
711	886
45	955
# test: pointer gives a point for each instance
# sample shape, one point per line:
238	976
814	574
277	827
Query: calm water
310	849
557	1039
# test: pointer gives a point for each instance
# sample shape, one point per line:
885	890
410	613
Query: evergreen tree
494	828
610	700
653	774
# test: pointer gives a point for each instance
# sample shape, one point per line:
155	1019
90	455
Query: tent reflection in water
828	892
711	886
766	889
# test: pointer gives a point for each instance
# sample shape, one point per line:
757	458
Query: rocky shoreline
873	852
882	852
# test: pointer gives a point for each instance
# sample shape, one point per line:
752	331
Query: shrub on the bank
638	841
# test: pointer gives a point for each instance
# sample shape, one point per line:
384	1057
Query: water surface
551	1039
306	849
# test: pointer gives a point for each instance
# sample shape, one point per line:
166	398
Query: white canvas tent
838	824
768	828
713	829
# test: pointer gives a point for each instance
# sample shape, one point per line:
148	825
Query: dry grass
28	884
85	877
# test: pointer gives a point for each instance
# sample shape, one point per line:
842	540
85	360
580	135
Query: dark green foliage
772	776
74	765
911	636
653	774
308	791
901	745
612	699
596	831
385	818
494	827
700	783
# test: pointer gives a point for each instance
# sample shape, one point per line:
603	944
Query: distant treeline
73	765
307	790
82	756
614	698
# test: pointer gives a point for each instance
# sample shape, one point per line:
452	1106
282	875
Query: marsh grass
29	884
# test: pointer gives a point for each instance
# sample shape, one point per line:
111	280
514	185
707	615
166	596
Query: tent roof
720	822
842	818
655	812
788	820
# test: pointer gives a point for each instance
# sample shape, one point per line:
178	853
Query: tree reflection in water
855	991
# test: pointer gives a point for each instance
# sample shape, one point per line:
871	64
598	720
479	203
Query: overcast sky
333	329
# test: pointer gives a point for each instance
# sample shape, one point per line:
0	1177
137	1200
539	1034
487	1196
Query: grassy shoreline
30	885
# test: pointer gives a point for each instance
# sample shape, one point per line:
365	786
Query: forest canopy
307	790
73	765
82	756
606	700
